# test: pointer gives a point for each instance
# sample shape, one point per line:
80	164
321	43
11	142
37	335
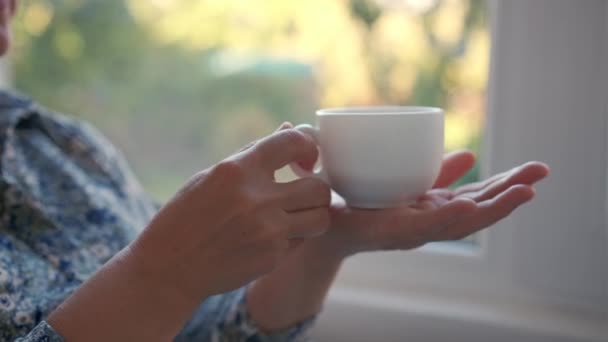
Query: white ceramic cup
377	157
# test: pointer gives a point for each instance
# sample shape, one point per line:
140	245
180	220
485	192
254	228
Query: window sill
419	316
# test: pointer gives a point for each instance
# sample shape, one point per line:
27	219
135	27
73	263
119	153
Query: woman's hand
229	225
440	214
233	223
297	289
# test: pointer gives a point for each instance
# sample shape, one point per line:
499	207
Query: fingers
308	223
406	229
526	174
433	199
497	197
472	187
305	193
284	125
488	212
284	147
454	166
307	202
446	214
295	243
248	146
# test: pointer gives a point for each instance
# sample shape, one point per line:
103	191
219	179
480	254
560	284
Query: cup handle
320	173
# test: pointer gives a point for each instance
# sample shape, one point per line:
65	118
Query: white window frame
544	270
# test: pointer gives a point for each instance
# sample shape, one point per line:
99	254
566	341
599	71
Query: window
541	274
179	85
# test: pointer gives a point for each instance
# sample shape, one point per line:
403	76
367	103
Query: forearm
295	291
118	304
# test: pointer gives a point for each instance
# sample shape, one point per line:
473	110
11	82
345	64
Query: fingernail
284	125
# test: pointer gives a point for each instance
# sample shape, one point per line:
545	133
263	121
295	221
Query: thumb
284	125
305	165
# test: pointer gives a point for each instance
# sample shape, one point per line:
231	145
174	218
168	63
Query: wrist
118	302
161	303
146	266
328	249
296	290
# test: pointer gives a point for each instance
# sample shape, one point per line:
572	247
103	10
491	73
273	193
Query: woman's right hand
233	223
229	225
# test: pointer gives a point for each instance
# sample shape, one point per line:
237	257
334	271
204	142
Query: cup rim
379	110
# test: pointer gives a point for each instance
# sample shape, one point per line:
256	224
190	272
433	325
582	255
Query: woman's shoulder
20	111
13	106
21	115
13	99
39	146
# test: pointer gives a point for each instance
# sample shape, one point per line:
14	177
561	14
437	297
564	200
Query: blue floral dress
68	203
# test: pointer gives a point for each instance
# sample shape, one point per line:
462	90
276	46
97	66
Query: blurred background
180	84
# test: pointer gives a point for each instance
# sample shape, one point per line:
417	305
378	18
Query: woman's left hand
440	214
297	289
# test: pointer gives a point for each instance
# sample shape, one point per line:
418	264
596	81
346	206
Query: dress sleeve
30	288
43	332
225	318
221	318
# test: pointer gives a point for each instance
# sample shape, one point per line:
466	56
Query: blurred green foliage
177	107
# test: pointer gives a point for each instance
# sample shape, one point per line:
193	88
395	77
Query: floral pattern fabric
68	203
